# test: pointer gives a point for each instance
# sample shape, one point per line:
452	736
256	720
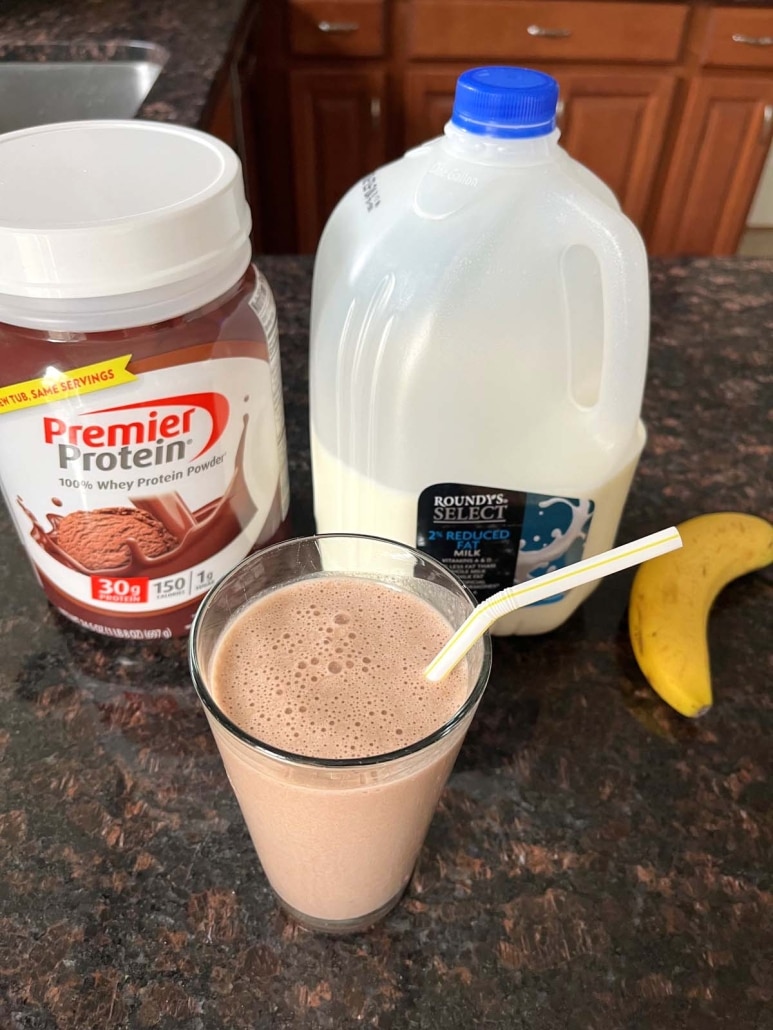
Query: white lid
107	208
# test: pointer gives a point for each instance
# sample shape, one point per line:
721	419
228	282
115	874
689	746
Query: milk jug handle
622	260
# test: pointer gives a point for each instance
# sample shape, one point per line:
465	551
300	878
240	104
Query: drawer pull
337	26
739	37
543	33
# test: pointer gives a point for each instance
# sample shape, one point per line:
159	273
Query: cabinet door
231	119
429	99
615	124
612	122
338	137
543	31
221	120
715	165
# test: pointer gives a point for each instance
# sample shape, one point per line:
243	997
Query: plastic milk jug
479	335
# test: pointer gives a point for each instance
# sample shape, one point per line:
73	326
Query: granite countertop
199	36
597	862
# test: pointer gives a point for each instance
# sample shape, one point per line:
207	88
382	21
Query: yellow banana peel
671	598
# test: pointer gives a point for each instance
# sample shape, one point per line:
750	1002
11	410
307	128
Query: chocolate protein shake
332	738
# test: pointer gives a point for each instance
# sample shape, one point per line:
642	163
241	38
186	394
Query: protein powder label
492	538
133	500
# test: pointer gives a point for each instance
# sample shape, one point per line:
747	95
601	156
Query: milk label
492	538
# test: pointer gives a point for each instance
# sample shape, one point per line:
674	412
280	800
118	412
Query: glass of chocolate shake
308	658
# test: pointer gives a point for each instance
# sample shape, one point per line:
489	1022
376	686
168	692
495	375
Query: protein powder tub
142	445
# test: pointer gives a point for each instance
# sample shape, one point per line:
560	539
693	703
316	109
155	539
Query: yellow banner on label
57	385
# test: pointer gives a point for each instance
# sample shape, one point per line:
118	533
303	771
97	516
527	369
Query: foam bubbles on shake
331	667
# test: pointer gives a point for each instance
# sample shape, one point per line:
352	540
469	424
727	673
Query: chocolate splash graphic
159	536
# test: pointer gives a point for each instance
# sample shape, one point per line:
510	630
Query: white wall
761	214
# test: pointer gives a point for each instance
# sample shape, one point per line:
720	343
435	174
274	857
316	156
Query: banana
671	597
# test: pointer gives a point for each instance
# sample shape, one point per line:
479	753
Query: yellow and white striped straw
533	590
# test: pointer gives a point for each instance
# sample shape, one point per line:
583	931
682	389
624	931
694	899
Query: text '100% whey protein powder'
142	444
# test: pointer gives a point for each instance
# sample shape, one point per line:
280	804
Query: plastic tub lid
105	208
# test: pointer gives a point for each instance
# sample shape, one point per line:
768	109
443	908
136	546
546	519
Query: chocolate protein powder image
109	538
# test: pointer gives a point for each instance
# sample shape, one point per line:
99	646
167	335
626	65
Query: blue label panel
491	538
553	535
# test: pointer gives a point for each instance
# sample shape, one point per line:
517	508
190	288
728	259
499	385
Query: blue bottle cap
506	103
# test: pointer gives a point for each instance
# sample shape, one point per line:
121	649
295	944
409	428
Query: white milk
355	504
480	319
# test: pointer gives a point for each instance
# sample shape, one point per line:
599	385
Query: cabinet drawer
738	38
336	28
547	30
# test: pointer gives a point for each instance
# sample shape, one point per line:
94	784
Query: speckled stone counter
597	862
197	34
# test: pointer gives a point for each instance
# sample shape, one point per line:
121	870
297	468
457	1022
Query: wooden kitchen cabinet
739	37
221	119
546	30
338	137
614	123
336	28
669	103
724	135
230	115
726	132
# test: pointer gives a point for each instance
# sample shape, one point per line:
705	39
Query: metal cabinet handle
560	115
375	112
543	33
738	37
337	26
767	124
